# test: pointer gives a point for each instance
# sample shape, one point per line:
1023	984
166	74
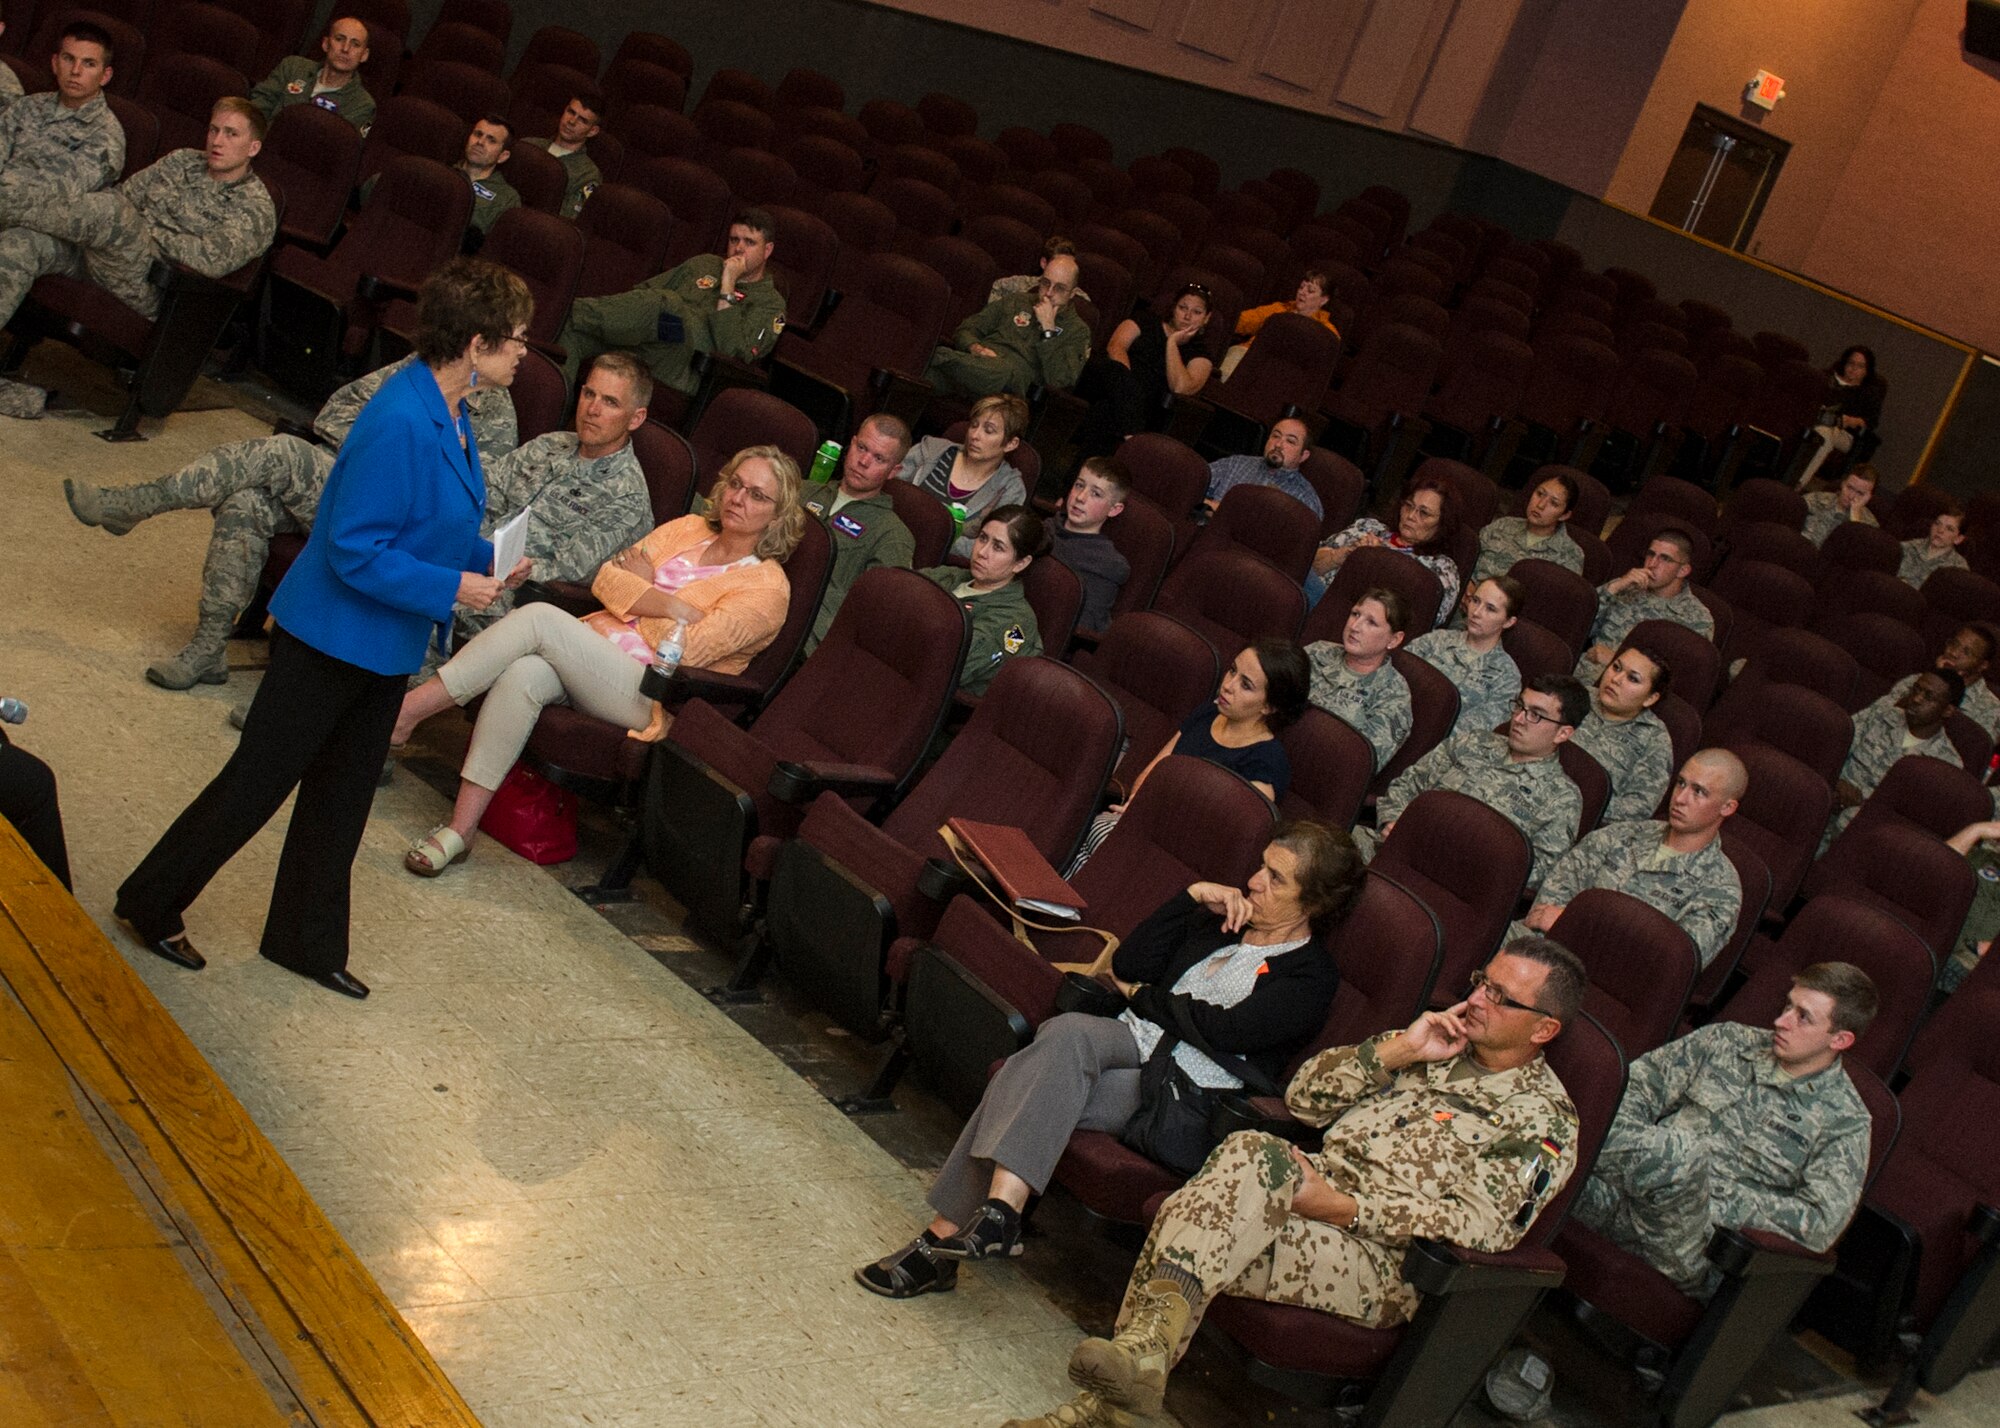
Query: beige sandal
435	851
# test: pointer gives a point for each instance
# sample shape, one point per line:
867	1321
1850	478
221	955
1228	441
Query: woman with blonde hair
719	576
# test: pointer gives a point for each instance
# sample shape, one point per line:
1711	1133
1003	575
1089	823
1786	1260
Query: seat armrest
899	394
178	277
376	288
1983	1224
941	881
1267	1114
1435	1267
1756	1254
688	683
569	595
800	783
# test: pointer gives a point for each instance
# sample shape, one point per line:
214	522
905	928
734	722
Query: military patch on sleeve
777	326
583	194
1014	639
1020	319
704	282
297	86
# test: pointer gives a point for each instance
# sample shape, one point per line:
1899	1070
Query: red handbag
532	817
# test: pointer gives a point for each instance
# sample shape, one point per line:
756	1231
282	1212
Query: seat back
538	176
1470	865
1806	725
743	416
1266	522
181	91
1055	594
1535	651
1559	600
1641	964
1145	537
1800	657
1340	485
1884	650
891	320
1927	793
1781	816
1289	365
1854	547
456	42
1753	876
1762	499
408	125
314	156
211	32
1165	471
1695	661
968	268
1388	948
625	240
1771	541
756	176
1593	784
669	464
1332	766
696	196
1954	599
546	253
928	518
467	90
805	270
1433	714
1835	928
1763	598
807	570
1233	598
1158	671
1366	569
1906	872
553	44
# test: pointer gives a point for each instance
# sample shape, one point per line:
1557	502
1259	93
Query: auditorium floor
597	1198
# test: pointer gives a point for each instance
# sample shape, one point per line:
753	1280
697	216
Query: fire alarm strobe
1764	90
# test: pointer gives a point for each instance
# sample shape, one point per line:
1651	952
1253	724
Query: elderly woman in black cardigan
1248	971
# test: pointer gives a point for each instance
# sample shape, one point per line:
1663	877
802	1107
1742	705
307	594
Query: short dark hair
1512	591
1058	247
1866	471
1330	868
1315	275
1563	976
1663	672
1680	538
1287	679
1852	991
464	299
90	34
1393	605
1568	692
1954	684
590	99
1571	491
758	219
1988	636
1111	471
498	121
1025	530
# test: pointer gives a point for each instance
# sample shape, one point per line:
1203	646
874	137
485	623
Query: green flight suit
1028	357
1003	625
583	177
745	330
866	534
292	83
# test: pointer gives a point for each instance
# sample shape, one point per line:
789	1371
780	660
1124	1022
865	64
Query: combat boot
110	508
1086	1410
22	400
1130	1371
202	661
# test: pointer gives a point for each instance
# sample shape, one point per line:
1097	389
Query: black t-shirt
1264	762
1098	565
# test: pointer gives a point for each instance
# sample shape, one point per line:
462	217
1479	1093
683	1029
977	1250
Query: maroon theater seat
1800	721
1367	568
314	157
1264	521
1233	598
1536	651
1158	672
1642	965
871	351
1145	537
1470	866
625	240
740	417
1165	471
1332	767
1559	600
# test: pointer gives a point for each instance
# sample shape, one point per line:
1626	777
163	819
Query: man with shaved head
1677	866
333	82
1017	342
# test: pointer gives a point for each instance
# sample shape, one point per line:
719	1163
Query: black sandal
914	1269
993	1232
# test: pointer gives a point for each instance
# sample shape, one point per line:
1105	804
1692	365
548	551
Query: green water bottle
825	461
957	519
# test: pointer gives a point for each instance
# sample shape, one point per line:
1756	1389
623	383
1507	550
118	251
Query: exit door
1719	178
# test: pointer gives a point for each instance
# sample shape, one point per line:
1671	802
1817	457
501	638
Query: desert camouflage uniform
582	175
170	209
1506	540
745	331
1698	890
1636	755
1824	516
1619	615
1920	565
1881	737
1711	1133
50	155
1376	706
1487	683
1980	704
292	83
1428	1151
1536	797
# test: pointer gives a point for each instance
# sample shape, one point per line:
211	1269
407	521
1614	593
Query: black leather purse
1078	993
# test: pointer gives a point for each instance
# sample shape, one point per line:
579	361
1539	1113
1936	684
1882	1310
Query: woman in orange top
1310	301
720	574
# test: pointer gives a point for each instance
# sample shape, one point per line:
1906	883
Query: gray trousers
1080	1073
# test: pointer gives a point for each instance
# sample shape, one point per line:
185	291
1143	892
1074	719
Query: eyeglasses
757	497
1533	715
1498	998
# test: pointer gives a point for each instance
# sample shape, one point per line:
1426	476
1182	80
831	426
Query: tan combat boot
1086	1410
1130	1371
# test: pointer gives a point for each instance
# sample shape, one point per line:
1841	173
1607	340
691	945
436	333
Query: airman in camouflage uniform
1894	727
51	154
1487	680
1014	343
1636	754
1375	705
1697	889
1532	793
1454	1129
334	85
1716	1130
1656	590
1926	556
1828	511
1504	541
707	304
257	489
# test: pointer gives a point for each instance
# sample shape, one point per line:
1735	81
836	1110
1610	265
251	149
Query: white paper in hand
510	543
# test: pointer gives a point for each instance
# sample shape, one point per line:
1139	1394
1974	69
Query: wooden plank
334	1336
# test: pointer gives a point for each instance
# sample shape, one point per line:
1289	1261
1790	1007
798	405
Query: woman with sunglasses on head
395	547
1144	362
1003	623
719	577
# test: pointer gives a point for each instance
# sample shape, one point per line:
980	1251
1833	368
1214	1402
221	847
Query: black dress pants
322	726
28	801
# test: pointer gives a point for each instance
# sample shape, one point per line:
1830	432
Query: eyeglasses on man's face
1496	996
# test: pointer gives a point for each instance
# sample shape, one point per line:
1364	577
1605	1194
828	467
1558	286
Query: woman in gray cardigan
974	474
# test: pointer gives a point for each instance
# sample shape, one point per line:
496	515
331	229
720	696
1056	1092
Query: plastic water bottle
825	461
13	711
667	658
957	518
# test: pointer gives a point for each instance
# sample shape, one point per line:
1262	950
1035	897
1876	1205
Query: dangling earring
474	383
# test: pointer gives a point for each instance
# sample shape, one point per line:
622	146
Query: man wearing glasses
1676	866
1657	589
1453	1129
1017	342
1288	447
1513	771
1735	1125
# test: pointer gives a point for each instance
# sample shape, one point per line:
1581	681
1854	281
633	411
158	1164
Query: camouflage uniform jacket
582	174
1698	890
1881	737
586	511
1618	615
1636	755
1376	706
292	83
1980	704
49	153
1470	1162
213	228
1920	565
1824	516
1786	1155
10	86
1008	325
1487	683
1508	539
493	423
1537	797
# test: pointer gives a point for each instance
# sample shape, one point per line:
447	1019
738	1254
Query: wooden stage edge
158	1259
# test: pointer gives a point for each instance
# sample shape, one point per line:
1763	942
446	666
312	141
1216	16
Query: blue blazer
397	524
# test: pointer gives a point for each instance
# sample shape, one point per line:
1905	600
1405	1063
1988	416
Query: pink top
670	577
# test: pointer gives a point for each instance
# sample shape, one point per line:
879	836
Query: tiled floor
597	1198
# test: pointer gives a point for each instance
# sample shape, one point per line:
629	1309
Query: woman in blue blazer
395	546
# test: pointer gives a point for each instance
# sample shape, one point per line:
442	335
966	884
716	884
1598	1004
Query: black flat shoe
344	982
914	1269
176	949
993	1232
